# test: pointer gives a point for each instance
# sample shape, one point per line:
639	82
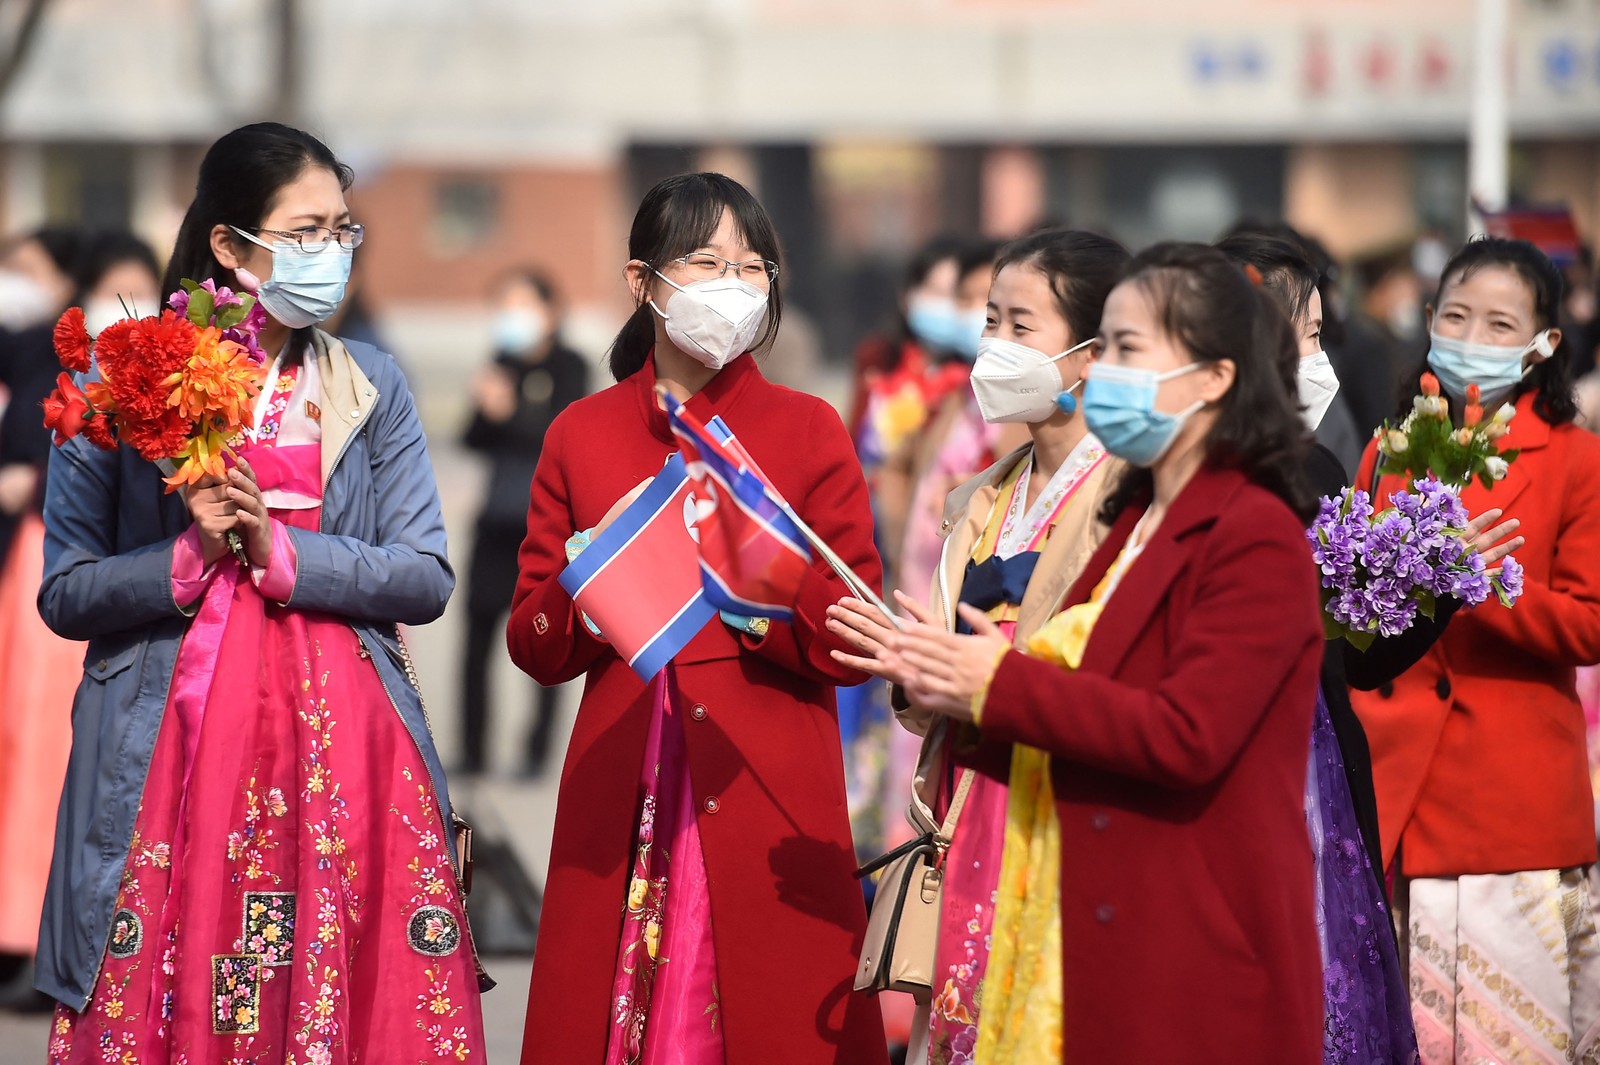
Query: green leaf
231	316
188	285
201	306
1360	640
1426	604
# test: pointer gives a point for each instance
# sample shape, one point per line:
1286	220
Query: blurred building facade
492	132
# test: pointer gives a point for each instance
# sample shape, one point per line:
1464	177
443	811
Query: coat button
1442	688
944	526
101	666
711	805
1104	912
1386	689
698	712
1101	820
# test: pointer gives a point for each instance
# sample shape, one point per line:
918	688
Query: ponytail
633	343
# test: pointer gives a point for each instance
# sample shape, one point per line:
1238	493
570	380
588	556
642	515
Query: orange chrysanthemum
218	385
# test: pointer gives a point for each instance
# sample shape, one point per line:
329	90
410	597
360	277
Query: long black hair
1286	269
677	216
1204	301
240	178
1554	380
1082	269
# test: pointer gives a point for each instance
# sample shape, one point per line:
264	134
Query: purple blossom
1511	579
179	301
1376	569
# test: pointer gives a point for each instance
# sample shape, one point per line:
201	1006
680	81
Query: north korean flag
639	581
752	556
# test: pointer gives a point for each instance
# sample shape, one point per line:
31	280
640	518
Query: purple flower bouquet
1380	570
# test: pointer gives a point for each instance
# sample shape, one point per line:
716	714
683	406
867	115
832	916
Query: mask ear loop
1540	345
651	301
1066	402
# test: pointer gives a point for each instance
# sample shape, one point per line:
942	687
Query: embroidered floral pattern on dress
272	418
295	862
434	931
236	993
269	926
127	934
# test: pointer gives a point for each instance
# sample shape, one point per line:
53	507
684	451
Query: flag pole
858	587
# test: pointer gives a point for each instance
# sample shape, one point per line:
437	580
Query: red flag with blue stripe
752	555
639	581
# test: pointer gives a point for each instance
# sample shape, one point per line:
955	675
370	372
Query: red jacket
1179	755
761	731
1478	749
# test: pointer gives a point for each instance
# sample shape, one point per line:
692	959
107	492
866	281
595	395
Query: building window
465	216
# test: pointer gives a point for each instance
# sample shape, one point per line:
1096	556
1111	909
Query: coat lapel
1145	586
348	398
966	512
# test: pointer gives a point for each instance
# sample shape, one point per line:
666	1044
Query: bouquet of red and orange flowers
179	387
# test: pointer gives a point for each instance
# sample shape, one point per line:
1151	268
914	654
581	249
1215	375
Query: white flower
1505	413
1497	467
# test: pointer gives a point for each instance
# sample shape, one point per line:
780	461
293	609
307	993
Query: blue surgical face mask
305	287
1495	368
519	330
969	327
934	321
1119	406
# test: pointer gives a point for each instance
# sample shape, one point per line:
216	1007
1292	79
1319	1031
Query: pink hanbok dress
289	896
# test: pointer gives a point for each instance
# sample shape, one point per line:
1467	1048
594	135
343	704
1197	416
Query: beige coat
1077	534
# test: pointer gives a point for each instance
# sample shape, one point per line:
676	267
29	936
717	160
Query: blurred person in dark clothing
532	378
1382	337
38	278
39	671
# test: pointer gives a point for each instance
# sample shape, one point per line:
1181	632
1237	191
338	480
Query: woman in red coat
1174	693
1478	750
701	906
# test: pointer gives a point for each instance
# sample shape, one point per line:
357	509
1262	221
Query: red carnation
97	430
157	438
72	341
65	409
141	361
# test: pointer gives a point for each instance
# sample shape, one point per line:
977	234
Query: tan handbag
903	927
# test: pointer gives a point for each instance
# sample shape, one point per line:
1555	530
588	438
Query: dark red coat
762	736
1180	752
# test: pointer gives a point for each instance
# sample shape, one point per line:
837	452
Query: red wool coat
1179	752
1478	750
761	732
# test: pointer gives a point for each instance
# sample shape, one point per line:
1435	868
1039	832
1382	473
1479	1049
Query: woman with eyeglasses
254	857
700	905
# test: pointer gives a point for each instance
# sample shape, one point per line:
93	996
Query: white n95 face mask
1015	383
1318	385
714	321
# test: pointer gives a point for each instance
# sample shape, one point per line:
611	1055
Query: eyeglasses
704	266
313	239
